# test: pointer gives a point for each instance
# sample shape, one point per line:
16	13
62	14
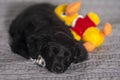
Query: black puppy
38	34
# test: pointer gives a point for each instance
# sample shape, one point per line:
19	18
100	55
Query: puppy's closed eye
55	50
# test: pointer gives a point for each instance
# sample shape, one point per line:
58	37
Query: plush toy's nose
72	8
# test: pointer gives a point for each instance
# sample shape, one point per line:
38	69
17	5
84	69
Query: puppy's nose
58	68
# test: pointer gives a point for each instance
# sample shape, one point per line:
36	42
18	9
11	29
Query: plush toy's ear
80	53
72	8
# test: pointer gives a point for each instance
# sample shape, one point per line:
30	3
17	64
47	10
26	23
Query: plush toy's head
67	13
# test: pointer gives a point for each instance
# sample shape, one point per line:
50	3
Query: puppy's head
61	51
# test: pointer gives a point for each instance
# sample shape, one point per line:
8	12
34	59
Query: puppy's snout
58	68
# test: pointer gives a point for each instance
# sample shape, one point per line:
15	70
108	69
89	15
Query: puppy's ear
32	47
35	43
80	53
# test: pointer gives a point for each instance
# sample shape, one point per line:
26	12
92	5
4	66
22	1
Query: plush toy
83	28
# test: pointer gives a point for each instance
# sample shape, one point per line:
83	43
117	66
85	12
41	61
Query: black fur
37	31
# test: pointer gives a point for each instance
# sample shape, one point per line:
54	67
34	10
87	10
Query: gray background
104	62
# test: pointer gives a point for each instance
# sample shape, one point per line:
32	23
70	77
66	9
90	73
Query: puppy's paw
39	61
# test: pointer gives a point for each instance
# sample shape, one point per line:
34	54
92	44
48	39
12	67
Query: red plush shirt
81	24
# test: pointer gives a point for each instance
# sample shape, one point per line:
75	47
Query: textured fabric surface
104	62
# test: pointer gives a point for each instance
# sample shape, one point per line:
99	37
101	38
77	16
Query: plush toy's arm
76	36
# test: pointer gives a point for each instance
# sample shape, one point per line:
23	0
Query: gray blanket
103	63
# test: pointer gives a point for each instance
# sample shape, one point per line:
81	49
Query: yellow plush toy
83	28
